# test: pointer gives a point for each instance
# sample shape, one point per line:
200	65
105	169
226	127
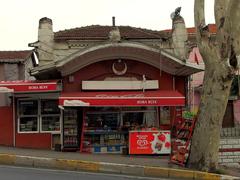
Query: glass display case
102	133
70	129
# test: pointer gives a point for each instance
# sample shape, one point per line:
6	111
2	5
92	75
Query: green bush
188	115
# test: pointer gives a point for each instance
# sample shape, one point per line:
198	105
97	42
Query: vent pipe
113	21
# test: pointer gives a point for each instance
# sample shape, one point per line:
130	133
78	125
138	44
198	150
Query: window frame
38	116
49	115
20	116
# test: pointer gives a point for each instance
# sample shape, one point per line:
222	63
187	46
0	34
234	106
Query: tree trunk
220	62
205	140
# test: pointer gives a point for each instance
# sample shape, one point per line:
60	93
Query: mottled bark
220	65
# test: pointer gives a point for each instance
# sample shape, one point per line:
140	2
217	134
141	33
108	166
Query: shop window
31	113
133	120
107	121
50	115
50	123
28	116
164	115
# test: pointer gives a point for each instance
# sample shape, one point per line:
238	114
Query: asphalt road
25	173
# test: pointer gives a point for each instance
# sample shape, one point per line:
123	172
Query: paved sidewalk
108	158
154	166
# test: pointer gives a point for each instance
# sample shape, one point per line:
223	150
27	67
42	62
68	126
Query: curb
148	171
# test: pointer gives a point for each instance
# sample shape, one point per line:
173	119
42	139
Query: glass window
50	123
165	115
28	107
133	120
49	107
108	121
31	113
50	115
28	124
28	115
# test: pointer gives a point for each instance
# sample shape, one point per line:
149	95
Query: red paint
6	126
180	84
34	140
101	70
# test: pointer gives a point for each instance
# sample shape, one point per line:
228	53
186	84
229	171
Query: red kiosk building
115	83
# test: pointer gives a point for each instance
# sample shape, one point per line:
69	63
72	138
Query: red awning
126	98
29	86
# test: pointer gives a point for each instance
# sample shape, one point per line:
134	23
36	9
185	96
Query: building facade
114	80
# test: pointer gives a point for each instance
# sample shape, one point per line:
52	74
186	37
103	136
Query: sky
19	18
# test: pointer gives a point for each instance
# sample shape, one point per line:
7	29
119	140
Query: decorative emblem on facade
119	68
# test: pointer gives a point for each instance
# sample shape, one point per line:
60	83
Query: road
25	173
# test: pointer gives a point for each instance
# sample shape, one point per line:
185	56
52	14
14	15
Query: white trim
51	132
28	132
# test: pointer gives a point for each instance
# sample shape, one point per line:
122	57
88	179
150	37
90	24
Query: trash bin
57	147
125	150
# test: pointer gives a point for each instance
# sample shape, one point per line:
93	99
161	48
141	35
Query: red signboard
149	142
28	86
123	98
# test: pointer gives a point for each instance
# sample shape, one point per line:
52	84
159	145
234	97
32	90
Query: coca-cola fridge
71	129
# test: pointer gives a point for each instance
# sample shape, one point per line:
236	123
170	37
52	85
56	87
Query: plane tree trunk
220	59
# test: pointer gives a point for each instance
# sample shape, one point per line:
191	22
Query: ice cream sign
149	142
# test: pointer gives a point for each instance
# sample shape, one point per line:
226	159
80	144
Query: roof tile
13	55
102	32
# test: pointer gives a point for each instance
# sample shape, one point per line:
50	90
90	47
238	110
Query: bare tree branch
205	46
235	25
220	9
199	18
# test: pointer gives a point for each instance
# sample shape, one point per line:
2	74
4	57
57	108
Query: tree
220	57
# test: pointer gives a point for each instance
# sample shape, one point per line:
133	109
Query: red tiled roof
102	32
212	29
20	55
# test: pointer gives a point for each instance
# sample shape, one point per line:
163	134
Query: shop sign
149	142
27	86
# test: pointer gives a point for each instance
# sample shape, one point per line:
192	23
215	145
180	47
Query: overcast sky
19	18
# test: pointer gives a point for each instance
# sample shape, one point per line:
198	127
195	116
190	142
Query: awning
123	98
29	86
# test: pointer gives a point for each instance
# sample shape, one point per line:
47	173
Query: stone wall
229	150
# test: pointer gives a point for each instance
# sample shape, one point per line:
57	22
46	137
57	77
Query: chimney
179	37
45	38
113	21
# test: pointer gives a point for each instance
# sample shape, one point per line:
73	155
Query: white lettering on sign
37	87
120	96
142	141
147	102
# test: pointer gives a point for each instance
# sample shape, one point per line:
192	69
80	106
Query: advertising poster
149	142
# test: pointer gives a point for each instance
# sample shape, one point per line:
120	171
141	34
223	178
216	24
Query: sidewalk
155	166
